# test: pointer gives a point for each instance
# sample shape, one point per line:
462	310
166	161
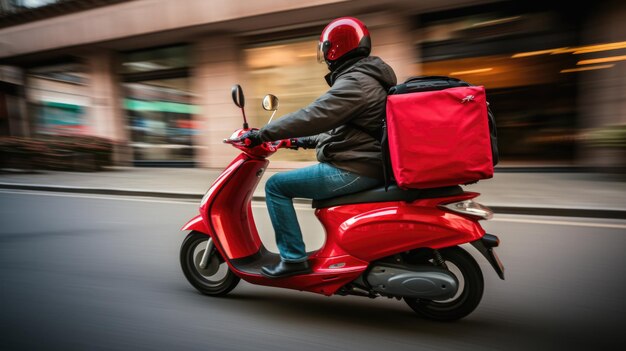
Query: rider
343	125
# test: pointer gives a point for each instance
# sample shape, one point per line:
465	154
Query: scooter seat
392	194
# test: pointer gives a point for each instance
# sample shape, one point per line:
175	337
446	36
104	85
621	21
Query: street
82	272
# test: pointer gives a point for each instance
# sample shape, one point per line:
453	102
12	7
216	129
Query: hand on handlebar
251	138
293	144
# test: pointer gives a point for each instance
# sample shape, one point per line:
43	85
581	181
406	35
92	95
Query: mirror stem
245	121
273	113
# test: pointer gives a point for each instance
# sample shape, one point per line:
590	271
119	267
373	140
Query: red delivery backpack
439	132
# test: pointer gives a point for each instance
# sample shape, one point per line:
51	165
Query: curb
560	212
514	210
99	191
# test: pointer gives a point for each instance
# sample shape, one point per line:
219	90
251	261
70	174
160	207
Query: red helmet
343	38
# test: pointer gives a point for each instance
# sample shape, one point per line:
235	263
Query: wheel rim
212	266
469	276
460	295
216	272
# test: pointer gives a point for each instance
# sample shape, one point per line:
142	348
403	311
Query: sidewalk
573	194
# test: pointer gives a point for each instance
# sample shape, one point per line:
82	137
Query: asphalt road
85	273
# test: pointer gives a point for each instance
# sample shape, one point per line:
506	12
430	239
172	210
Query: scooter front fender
197	224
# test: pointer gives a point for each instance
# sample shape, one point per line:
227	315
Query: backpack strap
384	149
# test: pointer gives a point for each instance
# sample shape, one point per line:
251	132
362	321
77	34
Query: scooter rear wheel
471	286
214	280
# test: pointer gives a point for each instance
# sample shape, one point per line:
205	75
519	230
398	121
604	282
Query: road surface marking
306	207
553	222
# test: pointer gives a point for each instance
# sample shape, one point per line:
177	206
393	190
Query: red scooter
397	243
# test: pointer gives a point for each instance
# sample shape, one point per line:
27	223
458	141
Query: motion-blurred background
147	82
141	88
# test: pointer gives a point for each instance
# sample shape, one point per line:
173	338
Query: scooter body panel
228	208
371	231
323	280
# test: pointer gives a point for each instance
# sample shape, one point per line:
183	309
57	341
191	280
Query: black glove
294	144
251	138
306	142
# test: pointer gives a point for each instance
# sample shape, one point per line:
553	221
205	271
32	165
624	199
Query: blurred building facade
155	75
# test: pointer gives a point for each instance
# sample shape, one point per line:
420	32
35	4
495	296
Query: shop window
523	62
57	95
160	59
158	106
289	70
11	118
30	4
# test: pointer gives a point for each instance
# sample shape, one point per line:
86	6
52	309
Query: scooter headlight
469	207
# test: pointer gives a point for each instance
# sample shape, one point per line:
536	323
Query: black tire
471	286
217	283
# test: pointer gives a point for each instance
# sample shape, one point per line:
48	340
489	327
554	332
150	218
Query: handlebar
267	146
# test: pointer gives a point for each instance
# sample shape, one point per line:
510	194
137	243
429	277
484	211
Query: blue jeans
318	182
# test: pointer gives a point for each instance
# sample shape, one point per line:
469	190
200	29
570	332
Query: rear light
469	207
490	240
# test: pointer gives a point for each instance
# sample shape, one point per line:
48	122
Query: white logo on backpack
468	99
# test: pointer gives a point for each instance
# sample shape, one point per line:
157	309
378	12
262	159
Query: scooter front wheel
208	273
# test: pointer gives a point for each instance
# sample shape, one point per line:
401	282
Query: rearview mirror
270	102
237	93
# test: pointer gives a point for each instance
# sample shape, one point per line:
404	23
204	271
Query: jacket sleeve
336	107
309	142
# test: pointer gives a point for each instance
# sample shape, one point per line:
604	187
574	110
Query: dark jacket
342	123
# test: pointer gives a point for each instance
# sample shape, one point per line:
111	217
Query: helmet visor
320	52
